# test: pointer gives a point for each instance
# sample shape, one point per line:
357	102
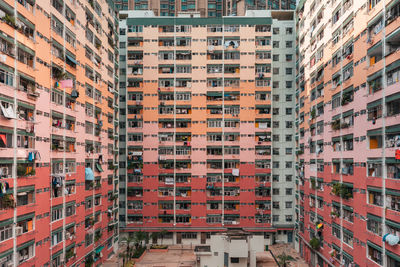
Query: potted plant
69	254
346	98
313	183
315	243
334	214
336	189
89	261
10	20
7	201
313	113
59	74
21	170
97	236
335	124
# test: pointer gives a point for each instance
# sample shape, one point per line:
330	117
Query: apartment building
206	125
348	107
206	8
58	140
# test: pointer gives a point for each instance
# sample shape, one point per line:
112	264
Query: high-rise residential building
207	125
58	140
348	106
206	8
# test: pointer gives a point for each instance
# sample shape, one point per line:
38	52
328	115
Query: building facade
348	132
206	125
58	91
237	249
209	8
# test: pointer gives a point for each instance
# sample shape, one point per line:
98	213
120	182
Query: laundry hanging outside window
8	112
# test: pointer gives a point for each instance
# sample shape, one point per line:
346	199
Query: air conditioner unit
18	230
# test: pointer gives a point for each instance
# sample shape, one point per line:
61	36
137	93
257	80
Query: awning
25	217
98	167
99	249
25	245
393	65
393	129
373	245
26	49
392	97
6	7
89	176
6	222
58	253
389	253
374	76
392	192
374	132
71	59
374	104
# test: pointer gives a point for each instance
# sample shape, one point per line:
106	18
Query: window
289	191
275	191
70	210
56	214
374	254
6	232
275	218
26	253
348	237
56	237
288	204
275	57
26	197
336	230
88	239
288	218
374	225
88	203
189	235
234	260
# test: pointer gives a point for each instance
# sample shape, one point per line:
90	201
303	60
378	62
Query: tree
162	234
128	252
283	259
139	238
123	256
154	236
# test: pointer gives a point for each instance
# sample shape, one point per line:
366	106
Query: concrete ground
183	256
114	261
176	256
288	249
